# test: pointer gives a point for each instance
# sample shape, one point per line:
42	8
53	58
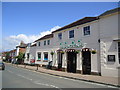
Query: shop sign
65	45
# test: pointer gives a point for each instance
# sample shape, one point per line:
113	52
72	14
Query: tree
20	58
7	57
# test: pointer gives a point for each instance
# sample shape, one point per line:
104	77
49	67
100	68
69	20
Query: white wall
109	32
27	61
92	42
44	48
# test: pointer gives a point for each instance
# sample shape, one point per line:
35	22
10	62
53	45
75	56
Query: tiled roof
45	37
79	22
110	11
34	45
22	45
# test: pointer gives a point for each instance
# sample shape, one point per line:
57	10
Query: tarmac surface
26	77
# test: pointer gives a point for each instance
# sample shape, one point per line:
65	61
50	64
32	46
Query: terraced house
90	45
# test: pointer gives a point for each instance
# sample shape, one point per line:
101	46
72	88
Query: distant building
30	53
21	48
15	52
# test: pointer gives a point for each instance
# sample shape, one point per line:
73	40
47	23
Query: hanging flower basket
77	51
62	52
52	53
93	51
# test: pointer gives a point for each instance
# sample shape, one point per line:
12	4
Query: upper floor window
71	34
48	42
59	36
44	42
38	43
86	30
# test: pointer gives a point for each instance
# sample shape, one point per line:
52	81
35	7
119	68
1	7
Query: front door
86	61
60	56
71	63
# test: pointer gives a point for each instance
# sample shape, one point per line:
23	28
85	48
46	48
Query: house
12	55
110	42
79	37
43	49
30	53
20	49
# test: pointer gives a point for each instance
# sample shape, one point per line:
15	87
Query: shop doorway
71	61
60	57
86	61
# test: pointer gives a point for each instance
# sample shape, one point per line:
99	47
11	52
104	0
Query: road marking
9	71
37	82
24	77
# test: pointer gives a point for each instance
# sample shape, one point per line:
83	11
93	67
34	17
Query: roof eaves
45	37
110	12
78	22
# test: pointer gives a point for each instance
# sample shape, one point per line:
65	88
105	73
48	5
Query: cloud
12	41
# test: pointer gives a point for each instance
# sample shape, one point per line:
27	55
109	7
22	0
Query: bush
52	53
93	52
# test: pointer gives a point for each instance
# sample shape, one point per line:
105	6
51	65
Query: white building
43	49
110	43
88	46
30	53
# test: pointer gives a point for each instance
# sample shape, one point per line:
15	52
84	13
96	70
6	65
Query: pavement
113	81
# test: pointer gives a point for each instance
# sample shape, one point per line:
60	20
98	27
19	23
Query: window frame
39	43
38	55
44	42
71	36
47	56
60	36
86	29
48	42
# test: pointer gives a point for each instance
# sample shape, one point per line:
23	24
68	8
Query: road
16	77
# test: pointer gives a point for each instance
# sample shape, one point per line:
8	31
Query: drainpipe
99	47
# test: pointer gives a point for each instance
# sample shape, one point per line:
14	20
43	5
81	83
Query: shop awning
59	50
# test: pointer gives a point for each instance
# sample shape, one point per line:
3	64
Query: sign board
111	58
64	45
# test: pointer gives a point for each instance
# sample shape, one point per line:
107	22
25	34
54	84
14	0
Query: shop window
48	42
86	30
45	55
39	55
71	34
59	36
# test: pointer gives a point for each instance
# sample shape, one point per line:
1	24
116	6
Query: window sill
38	60
45	60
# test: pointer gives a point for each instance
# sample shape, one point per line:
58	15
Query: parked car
2	66
32	62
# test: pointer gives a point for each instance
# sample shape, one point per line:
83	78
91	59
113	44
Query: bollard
37	67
